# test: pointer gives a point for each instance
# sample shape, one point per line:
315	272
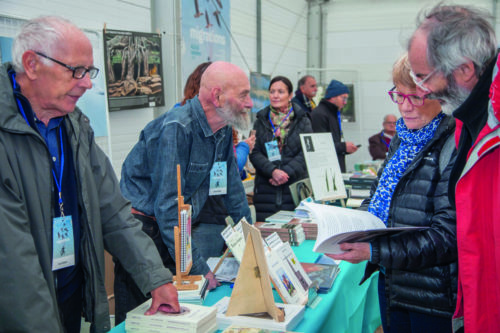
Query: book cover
323	274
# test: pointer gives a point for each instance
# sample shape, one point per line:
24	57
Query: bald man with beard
196	136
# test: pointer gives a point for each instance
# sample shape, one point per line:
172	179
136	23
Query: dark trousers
401	320
127	295
71	313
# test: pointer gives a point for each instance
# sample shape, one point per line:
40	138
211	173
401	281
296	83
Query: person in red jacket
453	56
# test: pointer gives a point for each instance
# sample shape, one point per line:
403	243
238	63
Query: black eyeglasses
78	72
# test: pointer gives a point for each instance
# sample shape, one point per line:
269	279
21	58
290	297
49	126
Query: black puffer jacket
421	267
269	199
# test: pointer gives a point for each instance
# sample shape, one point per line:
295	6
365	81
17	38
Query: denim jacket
149	174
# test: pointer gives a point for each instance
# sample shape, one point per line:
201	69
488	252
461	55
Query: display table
348	307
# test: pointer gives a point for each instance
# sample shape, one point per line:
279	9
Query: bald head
225	95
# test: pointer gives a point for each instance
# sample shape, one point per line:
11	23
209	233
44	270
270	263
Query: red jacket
477	195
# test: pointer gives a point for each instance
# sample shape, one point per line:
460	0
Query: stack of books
310	228
195	296
191	319
291	233
360	185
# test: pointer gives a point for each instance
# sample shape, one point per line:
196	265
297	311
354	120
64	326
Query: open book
338	225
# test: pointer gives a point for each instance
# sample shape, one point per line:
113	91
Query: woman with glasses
418	269
277	155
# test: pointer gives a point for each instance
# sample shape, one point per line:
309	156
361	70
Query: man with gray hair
306	90
453	56
60	202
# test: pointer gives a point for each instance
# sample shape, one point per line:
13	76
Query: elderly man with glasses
378	144
453	56
60	202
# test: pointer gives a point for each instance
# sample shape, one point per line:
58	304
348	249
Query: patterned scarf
277	118
412	142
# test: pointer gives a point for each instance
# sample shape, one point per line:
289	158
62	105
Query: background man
453	57
306	90
326	118
198	137
60	204
379	143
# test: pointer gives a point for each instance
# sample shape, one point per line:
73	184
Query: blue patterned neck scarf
412	142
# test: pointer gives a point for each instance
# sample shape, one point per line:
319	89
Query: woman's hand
279	177
355	252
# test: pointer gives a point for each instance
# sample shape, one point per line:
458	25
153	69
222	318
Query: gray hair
303	80
41	34
457	34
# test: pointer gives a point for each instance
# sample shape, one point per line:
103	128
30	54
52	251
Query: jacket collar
474	111
329	105
200	116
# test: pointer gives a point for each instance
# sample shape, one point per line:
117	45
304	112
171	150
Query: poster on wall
259	90
133	70
205	33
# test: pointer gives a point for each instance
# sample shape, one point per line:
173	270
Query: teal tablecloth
348	307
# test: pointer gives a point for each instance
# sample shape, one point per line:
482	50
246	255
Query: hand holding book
353	252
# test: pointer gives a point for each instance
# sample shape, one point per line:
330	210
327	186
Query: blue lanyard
61	169
383	139
339	119
281	123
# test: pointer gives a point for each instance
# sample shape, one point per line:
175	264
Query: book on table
324	275
338	225
191	319
194	296
293	315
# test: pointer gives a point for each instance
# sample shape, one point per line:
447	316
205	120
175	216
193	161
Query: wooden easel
182	279
252	293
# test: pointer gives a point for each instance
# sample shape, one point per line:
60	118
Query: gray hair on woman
457	34
41	34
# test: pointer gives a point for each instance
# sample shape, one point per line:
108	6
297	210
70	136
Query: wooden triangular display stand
182	279
252	293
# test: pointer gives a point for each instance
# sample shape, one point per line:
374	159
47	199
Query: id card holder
218	179
63	243
273	152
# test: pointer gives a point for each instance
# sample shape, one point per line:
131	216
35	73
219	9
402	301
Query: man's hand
212	282
164	299
350	147
355	252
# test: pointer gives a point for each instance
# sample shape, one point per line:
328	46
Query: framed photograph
259	93
134	77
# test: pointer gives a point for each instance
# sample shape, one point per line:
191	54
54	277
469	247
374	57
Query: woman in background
277	156
418	269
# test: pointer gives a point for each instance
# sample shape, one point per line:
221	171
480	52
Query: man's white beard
239	120
453	96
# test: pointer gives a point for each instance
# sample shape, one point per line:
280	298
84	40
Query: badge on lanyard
273	152
63	253
218	179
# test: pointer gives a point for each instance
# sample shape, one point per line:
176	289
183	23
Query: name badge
218	179
63	243
273	152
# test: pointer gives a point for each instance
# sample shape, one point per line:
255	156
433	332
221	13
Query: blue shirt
149	173
69	279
